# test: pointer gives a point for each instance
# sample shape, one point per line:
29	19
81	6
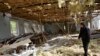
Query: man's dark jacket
84	34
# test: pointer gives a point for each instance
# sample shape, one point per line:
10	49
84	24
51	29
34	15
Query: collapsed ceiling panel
41	9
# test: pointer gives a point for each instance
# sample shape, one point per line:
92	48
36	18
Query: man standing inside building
85	37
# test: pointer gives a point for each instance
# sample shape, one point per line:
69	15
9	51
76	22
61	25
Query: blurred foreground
67	45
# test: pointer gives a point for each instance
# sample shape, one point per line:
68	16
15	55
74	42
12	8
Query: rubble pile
69	47
17	50
58	46
14	39
61	51
39	39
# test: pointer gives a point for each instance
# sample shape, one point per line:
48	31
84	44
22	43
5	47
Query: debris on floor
57	46
69	47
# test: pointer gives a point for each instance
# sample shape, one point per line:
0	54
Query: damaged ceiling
40	10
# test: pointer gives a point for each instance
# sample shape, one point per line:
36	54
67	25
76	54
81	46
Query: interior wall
96	23
21	26
4	27
53	28
30	26
5	30
38	28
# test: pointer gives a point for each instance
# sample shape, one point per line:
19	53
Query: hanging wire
40	21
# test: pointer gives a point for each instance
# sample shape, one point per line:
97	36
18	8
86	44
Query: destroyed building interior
48	27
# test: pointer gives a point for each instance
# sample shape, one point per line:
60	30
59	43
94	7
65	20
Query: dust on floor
68	46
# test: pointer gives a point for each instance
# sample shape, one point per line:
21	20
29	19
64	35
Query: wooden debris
39	39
